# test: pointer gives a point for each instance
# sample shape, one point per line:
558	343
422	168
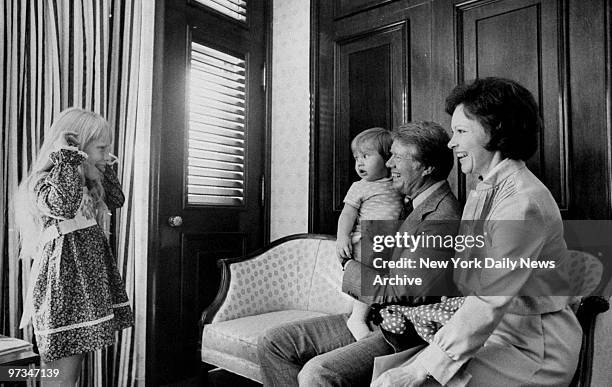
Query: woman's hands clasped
412	375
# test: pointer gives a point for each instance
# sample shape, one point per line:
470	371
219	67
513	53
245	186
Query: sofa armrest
273	278
211	310
587	313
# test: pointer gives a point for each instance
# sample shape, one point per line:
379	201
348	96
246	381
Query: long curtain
95	54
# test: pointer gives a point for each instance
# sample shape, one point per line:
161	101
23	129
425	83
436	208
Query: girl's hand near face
109	159
70	138
67	139
101	165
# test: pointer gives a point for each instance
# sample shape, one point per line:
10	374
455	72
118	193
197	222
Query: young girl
371	198
76	299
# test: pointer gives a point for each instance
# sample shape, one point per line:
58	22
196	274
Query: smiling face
369	164
408	173
468	142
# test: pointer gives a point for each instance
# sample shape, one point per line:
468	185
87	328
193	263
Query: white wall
290	117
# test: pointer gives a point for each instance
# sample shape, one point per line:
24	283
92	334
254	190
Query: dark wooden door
522	40
379	64
557	50
211	167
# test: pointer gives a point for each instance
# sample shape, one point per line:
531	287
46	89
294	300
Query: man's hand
412	375
344	248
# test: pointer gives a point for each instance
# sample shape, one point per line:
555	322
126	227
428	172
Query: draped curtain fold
98	55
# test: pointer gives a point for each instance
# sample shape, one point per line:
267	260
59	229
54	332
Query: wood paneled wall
385	63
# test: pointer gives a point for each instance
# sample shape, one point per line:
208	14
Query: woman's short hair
378	139
506	110
431	143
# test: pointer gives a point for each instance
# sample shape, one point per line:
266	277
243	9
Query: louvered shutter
215	171
236	9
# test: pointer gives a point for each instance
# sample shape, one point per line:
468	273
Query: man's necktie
407	208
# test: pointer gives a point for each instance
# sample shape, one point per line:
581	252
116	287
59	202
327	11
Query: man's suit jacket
439	214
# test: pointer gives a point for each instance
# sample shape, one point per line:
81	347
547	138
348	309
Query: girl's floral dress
79	298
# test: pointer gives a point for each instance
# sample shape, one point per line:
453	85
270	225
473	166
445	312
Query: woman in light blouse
512	330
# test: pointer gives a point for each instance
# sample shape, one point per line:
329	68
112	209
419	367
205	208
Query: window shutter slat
211	52
220	140
199	128
237	101
217	148
218	78
212	155
222	107
218	67
236	9
216	200
216	191
212	113
217	88
215	182
209	172
208	120
215	166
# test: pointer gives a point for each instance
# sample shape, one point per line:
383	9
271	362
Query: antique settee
299	277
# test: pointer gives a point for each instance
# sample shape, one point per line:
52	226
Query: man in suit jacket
322	351
437	214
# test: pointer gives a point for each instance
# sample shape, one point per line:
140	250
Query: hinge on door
263	77
263	191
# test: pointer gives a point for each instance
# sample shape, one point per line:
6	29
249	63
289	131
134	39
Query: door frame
154	170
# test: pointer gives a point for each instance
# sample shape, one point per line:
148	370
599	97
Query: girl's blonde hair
89	127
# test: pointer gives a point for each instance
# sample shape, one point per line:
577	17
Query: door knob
175	221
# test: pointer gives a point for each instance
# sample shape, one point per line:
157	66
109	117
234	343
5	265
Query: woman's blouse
520	218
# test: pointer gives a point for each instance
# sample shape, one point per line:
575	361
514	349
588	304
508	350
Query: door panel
198	261
590	106
370	74
212	151
376	68
522	40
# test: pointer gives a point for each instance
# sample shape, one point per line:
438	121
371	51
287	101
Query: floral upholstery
584	271
326	281
297	279
275	280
